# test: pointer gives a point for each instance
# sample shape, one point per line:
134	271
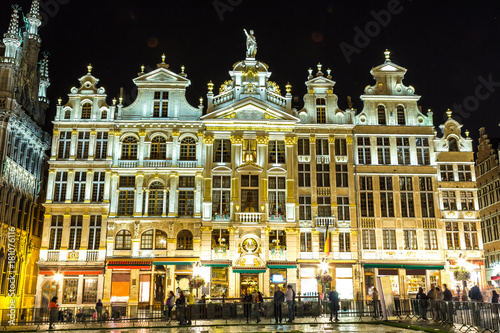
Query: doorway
249	283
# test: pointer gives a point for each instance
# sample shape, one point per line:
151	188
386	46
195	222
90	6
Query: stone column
141	151
50	186
146	203
74	139
199	149
88	186
197	194
114	194
108	278
55	145
110	151
208	140
69	188
174	195
206	243
85	238
117	151
164	208
92	144
107	187
333	176
139	180
175	147
290	142
236	142
262	160
314	194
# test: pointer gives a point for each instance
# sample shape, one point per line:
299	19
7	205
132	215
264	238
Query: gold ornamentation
311	91
175	132
74	132
288	88
250	128
291	230
275	87
291	140
315	232
142	132
312	139
56	132
335	232
93	132
231	230
208	140
267	230
268	116
331	139
210	87
354	232
230	116
348	140
262	140
329	91
171	240
200	134
236	139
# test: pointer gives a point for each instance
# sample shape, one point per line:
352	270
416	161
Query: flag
327	241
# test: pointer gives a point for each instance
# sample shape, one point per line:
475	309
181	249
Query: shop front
249	279
218	277
278	274
465	274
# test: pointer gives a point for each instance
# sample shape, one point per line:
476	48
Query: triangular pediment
249	109
249	167
161	75
389	67
320	80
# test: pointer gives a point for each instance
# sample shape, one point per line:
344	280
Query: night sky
450	48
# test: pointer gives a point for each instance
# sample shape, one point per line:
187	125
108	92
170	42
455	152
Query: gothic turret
33	19
12	39
44	78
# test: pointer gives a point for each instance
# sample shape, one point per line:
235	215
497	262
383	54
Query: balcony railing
157	163
128	164
324	221
322	158
53	256
250	217
187	164
92	255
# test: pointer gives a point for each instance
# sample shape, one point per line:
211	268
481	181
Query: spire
44	78
387	55
33	19
12	39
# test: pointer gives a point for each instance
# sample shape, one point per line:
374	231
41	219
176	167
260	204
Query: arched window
401	115
156	197
67	114
160	240
381	115
86	110
104	114
147	240
452	144
129	148
188	149
184	240
49	290
123	240
158	148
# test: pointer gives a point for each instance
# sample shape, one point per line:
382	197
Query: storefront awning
249	270
405	266
495	278
175	261
129	264
216	263
72	272
282	264
338	261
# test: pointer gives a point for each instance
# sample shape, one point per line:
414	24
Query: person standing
475	294
98	308
432	297
289	297
180	304
170	304
422	297
247	305
259	300
279	298
494	296
333	297
53	312
447	296
375	300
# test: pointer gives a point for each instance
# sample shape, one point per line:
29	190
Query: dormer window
400	111
452	144
86	110
67	114
104	114
381	115
320	111
160	109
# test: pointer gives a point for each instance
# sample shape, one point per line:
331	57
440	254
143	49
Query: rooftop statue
251	44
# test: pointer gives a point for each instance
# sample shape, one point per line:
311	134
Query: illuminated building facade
143	197
23	101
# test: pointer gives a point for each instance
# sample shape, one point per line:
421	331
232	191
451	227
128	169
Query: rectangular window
98	186
447	172
343	208
249	150
75	232
56	229
430	239
186	203
406	193
221	197
70	291
126	202
89	290
423	151
82	151
305	208
322	175
452	236
305	242
303	147
467	200
322	146
364	155
222	151
389	237
403	150
324	206
340	147
386	196
426	197
250	193
160	108
449	200
369	240
383	151
127	181
60	186
101	145
94	232
470	236
277	197
304	175
366	196
410	238
320	111
464	173
341	175
64	144
79	186
344	242
496	235
276	151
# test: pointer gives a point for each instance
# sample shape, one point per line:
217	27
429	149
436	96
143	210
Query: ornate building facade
247	192
23	102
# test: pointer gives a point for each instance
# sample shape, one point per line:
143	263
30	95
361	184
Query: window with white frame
340	147
320	111
75	232
406	194
364	155
126	196
156	196
470	236
305	242
383	151
79	186
366	196
60	186
322	147
94	232
467	200
277	196
305	208
249	150
403	150
430	240
343	208
89	291
410	239
400	111
98	186
101	145
452	236
447	172
82	151
304	175
250	193
129	148
276	151
386	196
188	149
369	239
324	206
423	154
86	110
344	242
341	175
449	200
389	238
303	147
322	175
186	195
464	173
381	115
56	230
158	148
64	144
222	151
426	196
221	196
160	105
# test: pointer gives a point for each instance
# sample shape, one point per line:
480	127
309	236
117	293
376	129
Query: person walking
259	300
290	300
170	304
53	312
98	309
375	300
279	298
333	297
494	296
422	297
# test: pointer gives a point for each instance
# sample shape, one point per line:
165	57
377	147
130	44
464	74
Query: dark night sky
445	45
